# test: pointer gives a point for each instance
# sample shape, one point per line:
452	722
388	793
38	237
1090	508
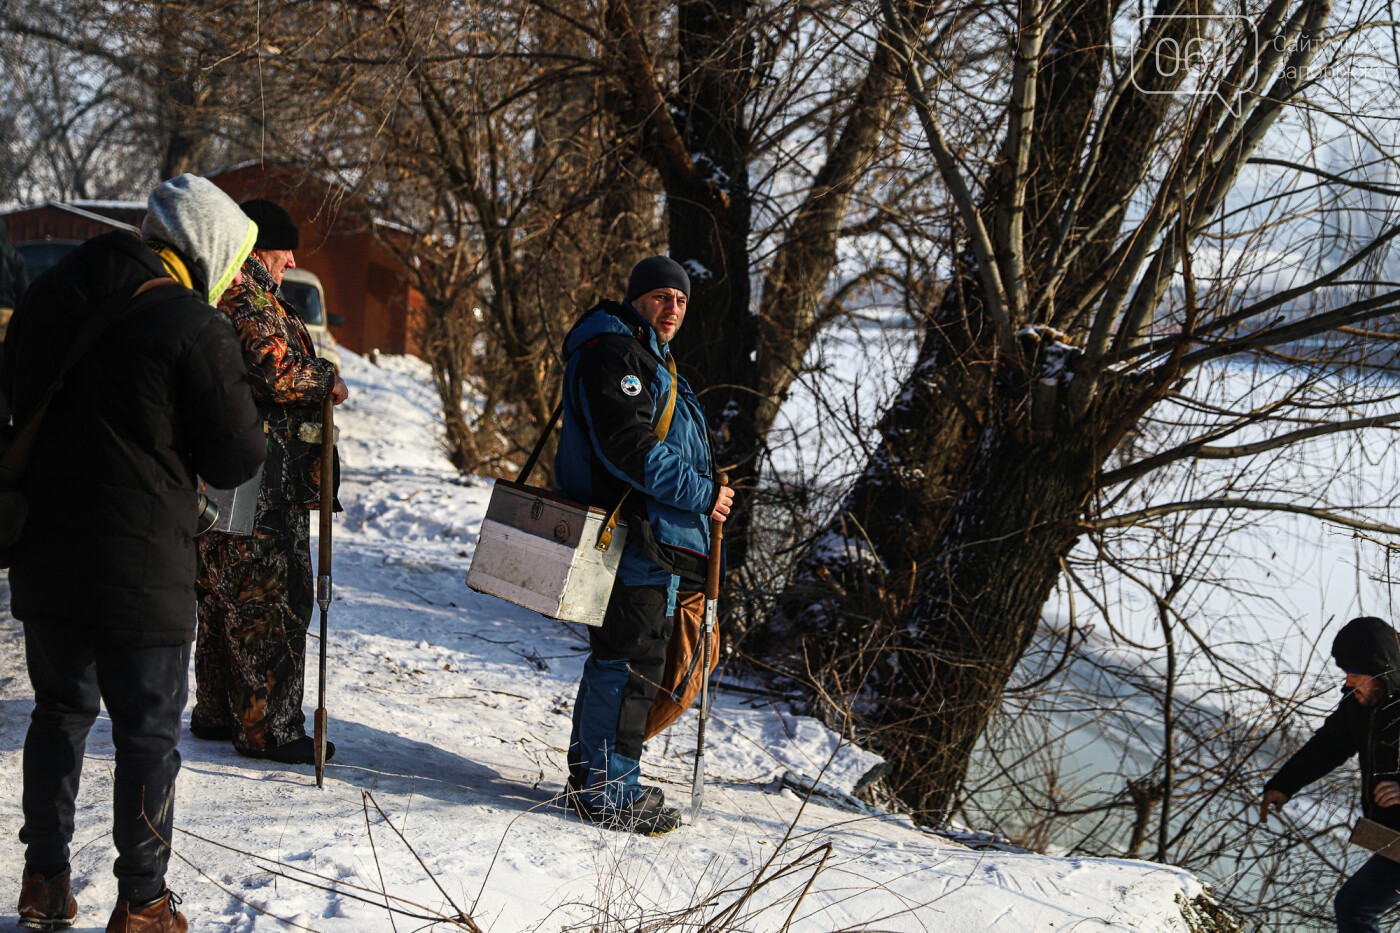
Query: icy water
1080	756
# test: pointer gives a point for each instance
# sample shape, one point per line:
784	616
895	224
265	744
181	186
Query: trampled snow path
452	710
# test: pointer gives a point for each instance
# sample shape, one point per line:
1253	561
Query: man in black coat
1365	723
103	575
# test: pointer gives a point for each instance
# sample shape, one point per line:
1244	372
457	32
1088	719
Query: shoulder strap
16	457
661	429
529	466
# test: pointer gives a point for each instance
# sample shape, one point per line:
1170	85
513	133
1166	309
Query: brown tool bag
1376	837
680	684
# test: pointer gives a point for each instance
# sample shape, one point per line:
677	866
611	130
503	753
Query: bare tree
767	124
108	98
540	148
1089	181
474	131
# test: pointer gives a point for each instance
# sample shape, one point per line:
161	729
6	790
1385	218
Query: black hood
1370	646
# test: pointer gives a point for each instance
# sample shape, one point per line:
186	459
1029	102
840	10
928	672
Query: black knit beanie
1366	646
275	227
656	272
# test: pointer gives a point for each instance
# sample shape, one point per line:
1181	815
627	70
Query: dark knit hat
656	272
275	227
1367	646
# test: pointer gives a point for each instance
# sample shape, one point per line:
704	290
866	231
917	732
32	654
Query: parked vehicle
303	290
40	255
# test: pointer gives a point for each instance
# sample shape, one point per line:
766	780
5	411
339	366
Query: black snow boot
647	815
215	732
300	751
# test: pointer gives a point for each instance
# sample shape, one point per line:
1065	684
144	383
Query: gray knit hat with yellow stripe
206	228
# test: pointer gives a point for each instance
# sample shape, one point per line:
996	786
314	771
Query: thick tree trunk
978	606
849	587
796	285
914	606
708	226
743	362
912	610
177	98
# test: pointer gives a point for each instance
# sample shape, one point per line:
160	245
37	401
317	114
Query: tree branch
1388	190
129	65
1275	301
948	168
1021	110
639	73
1200	505
1200	450
1353	313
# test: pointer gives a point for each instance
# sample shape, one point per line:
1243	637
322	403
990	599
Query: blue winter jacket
615	389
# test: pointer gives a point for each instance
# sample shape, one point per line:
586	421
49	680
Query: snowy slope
450	712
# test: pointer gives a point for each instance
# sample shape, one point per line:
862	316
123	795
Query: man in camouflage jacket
256	593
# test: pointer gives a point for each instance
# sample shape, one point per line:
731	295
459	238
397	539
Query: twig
340	889
462	918
377	867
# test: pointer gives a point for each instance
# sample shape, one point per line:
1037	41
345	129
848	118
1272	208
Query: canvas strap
16	458
529	466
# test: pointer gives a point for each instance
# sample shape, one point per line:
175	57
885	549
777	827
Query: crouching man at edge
616	386
103	575
1366	723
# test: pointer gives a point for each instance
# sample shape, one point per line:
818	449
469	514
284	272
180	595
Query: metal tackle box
237	506
538	550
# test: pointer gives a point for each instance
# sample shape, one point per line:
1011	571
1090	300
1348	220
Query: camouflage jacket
289	385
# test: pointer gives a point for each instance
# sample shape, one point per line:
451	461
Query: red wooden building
362	279
72	221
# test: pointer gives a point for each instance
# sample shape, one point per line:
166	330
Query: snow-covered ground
450	712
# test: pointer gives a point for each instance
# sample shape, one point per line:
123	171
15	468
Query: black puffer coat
111	486
1364	646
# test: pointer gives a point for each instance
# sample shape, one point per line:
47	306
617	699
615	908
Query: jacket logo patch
631	385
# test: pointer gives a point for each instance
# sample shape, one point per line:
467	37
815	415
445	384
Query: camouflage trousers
255	602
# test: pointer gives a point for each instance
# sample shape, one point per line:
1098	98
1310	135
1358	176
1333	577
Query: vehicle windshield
307	300
42	255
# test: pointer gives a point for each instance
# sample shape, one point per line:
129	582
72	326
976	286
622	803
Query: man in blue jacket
616	386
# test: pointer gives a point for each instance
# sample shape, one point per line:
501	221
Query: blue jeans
615	694
1373	890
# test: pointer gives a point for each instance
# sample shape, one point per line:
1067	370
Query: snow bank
450	712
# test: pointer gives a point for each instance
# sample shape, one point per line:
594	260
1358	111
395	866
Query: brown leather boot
158	917
46	904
